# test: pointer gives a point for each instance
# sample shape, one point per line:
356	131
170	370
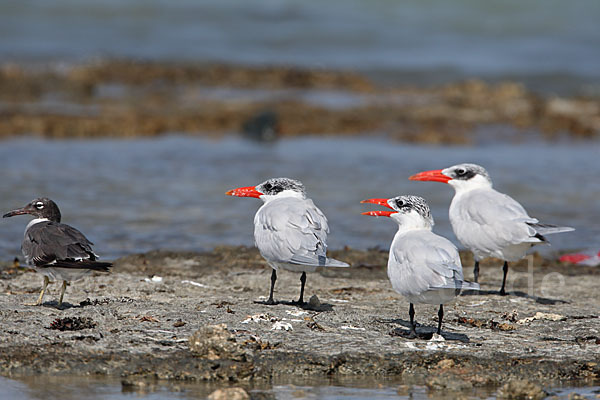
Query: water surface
131	196
93	388
552	45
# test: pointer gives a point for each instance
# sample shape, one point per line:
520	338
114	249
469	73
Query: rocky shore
193	317
125	99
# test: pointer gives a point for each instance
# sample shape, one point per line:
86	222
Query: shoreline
143	329
128	99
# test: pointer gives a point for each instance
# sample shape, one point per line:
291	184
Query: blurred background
137	116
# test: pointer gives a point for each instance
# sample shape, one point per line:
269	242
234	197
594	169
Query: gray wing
292	230
55	244
488	220
422	261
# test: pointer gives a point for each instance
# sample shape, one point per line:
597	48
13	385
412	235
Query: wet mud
198	317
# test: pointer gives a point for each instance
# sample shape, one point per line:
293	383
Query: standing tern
487	222
289	230
58	251
422	266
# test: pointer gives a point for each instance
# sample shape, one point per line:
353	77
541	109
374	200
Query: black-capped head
271	189
405	209
42	207
462	177
465	172
407	204
275	186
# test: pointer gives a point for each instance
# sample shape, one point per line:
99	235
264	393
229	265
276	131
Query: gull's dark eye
268	186
460	171
39	205
400	203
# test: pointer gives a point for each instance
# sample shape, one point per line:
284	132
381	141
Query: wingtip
338	264
332	262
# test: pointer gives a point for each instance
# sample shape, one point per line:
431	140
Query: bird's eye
400	203
39	205
460	171
268	186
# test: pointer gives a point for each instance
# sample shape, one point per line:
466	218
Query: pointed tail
458	285
331	262
319	261
466	285
547	229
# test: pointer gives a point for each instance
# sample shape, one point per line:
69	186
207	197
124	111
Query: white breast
35	221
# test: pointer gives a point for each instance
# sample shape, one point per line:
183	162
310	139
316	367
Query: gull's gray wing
421	261
59	245
488	220
293	230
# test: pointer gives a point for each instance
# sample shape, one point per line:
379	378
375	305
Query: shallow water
92	388
552	45
131	196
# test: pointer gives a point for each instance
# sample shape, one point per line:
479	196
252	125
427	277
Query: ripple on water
137	195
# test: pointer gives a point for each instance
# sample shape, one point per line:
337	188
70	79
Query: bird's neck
282	195
35	221
409	222
477	182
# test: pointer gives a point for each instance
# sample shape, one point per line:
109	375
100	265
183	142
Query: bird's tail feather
84	264
332	262
321	261
460	285
547	229
466	285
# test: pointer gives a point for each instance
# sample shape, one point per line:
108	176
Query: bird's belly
292	267
63	274
436	296
484	246
514	252
402	284
486	243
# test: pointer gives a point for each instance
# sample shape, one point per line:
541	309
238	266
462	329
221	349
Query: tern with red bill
422	266
487	222
289	230
58	251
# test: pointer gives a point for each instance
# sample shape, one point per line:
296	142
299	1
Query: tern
289	230
422	266
58	251
487	222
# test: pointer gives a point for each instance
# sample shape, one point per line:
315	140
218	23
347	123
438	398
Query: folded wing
489	220
52	244
424	261
294	231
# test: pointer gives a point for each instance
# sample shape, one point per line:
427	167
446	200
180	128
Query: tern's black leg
413	324
505	271
273	279
440	318
302	283
476	272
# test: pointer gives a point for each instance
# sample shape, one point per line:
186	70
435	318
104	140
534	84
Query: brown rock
404	390
215	342
445	364
521	389
234	393
156	100
448	381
